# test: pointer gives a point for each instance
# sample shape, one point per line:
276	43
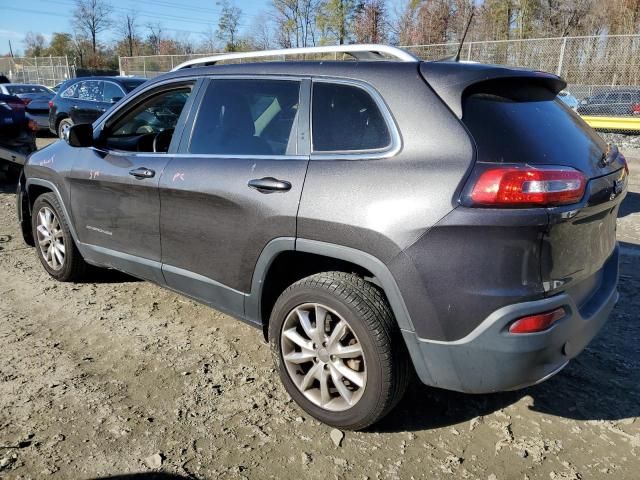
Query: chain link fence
602	72
47	71
149	66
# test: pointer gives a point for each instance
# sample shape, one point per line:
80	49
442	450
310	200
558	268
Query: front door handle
269	185
142	172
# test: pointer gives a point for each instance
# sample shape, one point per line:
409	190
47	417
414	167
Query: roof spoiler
450	80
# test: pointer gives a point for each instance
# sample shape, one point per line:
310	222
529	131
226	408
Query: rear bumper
42	120
490	359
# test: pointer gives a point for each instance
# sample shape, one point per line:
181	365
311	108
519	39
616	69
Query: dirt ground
120	377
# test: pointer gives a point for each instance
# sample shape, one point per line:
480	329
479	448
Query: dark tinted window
89	90
247	117
112	92
346	118
534	129
20	89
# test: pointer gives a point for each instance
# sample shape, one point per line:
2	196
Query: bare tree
261	34
155	37
229	25
128	28
371	23
35	44
210	40
81	47
90	18
296	22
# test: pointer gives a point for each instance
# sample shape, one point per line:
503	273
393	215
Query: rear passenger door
234	186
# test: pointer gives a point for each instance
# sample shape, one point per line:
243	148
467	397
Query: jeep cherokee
373	217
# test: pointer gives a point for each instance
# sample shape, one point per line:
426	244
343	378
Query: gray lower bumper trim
494	360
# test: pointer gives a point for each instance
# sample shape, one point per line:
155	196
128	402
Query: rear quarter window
345	118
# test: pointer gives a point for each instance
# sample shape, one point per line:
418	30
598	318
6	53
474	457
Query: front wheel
338	349
55	247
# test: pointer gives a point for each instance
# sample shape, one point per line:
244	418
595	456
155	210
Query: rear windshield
532	127
130	85
20	89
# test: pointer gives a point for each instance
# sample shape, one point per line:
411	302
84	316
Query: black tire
73	267
63	123
365	309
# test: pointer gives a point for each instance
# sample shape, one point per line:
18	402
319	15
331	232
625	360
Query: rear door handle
269	185
142	172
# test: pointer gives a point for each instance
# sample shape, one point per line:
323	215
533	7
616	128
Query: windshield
20	89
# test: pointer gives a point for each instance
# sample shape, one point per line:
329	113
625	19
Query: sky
178	17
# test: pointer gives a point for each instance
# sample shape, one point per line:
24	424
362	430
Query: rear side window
247	117
345	118
528	126
112	92
71	91
90	90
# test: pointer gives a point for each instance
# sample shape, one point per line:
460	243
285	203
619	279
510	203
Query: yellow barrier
614	123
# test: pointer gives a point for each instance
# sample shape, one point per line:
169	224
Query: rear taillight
538	322
33	126
635	109
26	101
50	103
16	105
528	186
625	163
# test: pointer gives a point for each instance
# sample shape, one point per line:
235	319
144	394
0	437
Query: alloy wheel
323	357
50	238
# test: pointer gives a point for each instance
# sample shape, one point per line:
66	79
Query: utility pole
10	49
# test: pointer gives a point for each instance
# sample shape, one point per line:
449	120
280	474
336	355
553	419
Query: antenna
464	35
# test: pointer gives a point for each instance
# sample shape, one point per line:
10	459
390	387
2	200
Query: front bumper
490	359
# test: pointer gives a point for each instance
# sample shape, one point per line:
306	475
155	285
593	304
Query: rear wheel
54	245
338	350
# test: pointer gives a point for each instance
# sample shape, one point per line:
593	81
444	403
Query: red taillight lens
50	103
524	186
26	101
33	126
537	323
635	109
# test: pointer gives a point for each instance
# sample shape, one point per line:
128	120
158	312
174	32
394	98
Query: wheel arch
307	258
59	118
34	187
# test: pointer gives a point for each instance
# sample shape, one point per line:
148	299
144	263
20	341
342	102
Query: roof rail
360	52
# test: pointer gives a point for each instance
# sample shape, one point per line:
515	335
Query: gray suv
374	218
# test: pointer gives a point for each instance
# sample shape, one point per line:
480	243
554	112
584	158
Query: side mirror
80	135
